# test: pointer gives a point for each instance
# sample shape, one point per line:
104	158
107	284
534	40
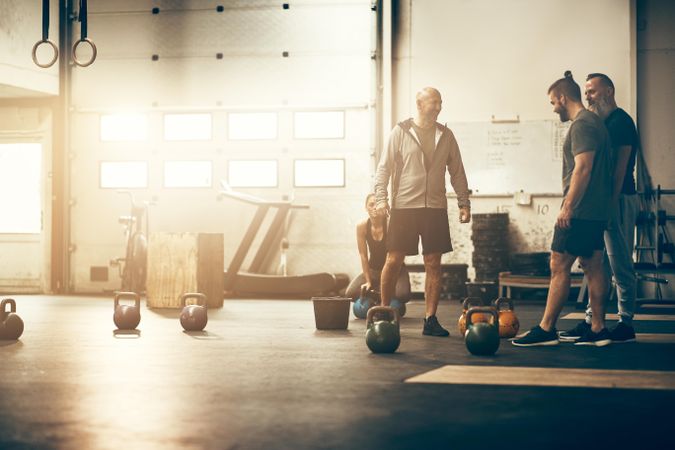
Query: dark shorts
581	239
406	226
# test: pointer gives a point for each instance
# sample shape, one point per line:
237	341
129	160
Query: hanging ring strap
45	38
82	18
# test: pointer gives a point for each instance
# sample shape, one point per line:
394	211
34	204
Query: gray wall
20	29
656	103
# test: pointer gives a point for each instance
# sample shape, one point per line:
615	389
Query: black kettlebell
194	317
11	325
482	338
382	335
127	317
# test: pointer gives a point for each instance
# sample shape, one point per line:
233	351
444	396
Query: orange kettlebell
477	317
508	321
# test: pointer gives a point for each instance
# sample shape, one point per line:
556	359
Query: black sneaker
599	339
433	328
575	333
537	336
622	334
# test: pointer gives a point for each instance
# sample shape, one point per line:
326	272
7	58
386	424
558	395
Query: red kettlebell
194	317
127	317
508	321
11	325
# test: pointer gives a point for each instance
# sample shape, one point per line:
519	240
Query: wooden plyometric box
184	262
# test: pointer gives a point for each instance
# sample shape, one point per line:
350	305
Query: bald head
428	106
427	92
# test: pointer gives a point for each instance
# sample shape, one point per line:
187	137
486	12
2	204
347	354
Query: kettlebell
468	303
382	335
193	317
482	338
368	299
399	306
127	317
508	321
11	325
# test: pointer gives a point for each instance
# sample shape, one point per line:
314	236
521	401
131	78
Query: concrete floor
263	377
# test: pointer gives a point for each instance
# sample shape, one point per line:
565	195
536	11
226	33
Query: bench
507	280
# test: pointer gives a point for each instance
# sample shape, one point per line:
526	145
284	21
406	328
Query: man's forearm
578	185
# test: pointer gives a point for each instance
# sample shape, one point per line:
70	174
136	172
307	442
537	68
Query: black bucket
331	313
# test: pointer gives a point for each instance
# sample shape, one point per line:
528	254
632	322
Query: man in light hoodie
419	152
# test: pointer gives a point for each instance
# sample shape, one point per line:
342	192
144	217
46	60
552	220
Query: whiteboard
511	157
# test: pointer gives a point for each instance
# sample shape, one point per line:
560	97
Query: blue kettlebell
399	306
368	299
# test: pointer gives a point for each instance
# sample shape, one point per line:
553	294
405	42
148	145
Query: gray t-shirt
588	134
427	138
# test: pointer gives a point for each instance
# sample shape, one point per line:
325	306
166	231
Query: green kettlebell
482	338
11	325
382	335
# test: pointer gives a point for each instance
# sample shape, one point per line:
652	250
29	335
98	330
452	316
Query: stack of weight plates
490	238
453	281
531	264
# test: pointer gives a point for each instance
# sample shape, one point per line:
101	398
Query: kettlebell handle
128	296
482	309
201	298
501	301
12	306
476	301
384	309
370	293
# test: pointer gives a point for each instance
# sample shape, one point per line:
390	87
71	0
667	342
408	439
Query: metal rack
654	245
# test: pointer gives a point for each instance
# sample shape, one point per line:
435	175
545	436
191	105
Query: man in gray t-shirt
588	134
581	222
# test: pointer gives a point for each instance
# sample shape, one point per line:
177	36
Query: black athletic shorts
581	239
406	226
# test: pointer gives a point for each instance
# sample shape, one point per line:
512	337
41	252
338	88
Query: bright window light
124	127
20	184
258	173
187	127
187	174
319	173
319	125
252	126
124	174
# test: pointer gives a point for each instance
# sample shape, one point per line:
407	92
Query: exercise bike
133	266
253	283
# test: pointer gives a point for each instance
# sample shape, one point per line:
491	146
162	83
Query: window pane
259	173
319	125
124	127
20	182
187	127
252	126
319	173
124	174
187	174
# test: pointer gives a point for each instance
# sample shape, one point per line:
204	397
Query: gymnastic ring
53	60
93	49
